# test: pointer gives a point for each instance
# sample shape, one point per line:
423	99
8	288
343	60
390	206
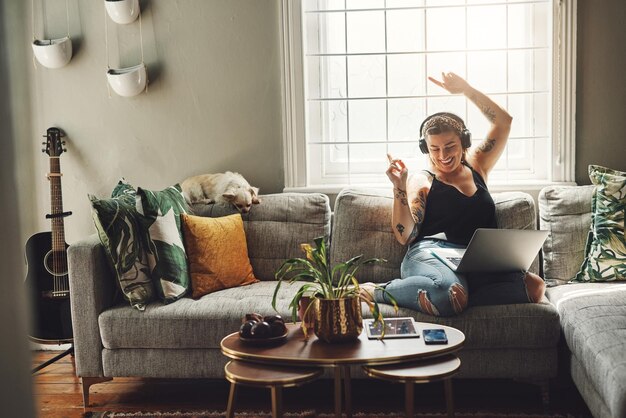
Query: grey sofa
592	315
181	340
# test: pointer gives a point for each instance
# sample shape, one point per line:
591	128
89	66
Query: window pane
529	70
405	31
410	154
366	76
444	2
487	70
443	62
405	118
445	29
367	120
366	32
453	104
329	164
523	17
327	121
323	5
326	77
380	60
325	33
404	3
365	4
531	113
407	75
486	27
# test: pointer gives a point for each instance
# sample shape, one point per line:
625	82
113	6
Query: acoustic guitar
46	256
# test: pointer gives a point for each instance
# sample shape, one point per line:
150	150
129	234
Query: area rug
313	414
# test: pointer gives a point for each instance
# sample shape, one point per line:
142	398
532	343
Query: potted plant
333	291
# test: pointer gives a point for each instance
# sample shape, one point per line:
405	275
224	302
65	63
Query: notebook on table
494	250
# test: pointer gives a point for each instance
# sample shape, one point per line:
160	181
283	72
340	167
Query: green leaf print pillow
605	253
125	246
160	215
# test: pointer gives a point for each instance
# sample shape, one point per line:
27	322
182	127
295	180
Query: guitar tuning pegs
43	150
64	149
62	142
43	143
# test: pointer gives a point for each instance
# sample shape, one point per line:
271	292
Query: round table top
313	352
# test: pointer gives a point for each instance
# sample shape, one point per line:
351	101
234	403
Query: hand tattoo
400	228
487	145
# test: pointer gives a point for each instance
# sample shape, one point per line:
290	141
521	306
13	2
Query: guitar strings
59	256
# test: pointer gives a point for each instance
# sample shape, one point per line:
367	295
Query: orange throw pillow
217	252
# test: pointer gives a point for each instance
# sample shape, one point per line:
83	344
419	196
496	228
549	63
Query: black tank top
450	211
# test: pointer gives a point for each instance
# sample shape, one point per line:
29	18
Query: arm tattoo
489	113
487	145
401	194
400	228
418	206
418	211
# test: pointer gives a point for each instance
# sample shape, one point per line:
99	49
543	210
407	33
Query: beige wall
213	102
601	86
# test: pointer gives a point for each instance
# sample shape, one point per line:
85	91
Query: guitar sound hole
56	263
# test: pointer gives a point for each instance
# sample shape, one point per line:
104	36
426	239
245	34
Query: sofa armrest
92	290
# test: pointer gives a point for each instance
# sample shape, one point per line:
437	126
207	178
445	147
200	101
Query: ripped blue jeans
429	286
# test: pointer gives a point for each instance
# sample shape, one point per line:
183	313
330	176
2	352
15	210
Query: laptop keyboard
455	260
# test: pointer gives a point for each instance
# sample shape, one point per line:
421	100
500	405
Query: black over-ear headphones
465	134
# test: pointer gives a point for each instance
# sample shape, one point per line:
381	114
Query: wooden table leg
230	412
449	400
338	392
409	401
347	391
277	402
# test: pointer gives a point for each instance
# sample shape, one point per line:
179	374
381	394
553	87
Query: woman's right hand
397	172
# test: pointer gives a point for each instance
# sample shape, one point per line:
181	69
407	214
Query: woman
443	206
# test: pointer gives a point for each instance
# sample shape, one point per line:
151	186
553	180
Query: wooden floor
58	394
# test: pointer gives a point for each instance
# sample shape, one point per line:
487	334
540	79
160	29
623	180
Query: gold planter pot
338	320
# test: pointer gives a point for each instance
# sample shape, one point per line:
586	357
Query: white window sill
493	187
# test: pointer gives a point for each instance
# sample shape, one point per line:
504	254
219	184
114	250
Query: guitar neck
56	205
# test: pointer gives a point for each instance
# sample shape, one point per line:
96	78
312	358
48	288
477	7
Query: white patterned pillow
605	253
120	234
160	215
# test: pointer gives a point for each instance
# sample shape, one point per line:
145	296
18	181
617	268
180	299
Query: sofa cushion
593	319
217	253
362	225
161	212
204	322
605	252
565	212
192	323
512	326
277	226
116	222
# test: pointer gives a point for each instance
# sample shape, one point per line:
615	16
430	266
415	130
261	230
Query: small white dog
225	187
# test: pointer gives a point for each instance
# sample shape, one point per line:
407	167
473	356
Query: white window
356	88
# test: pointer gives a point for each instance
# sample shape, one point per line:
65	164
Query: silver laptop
494	250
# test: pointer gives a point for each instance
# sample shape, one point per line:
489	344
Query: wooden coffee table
296	351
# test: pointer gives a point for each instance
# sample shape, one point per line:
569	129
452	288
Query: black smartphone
435	336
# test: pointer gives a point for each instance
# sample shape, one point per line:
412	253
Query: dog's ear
229	194
254	191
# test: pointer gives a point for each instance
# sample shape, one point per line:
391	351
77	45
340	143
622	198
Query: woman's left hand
452	82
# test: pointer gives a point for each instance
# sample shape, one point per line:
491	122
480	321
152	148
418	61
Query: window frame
562	168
